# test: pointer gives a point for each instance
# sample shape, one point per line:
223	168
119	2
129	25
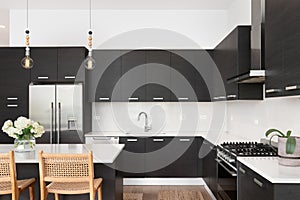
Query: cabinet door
69	61
131	160
14	81
157	157
158	75
133	76
209	166
253	186
45	64
183	76
102	81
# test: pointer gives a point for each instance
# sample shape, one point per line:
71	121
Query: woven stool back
66	167
8	169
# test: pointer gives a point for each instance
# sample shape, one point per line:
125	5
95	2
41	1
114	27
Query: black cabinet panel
70	60
131	160
282	37
102	81
45	64
252	186
133	76
158	75
14	81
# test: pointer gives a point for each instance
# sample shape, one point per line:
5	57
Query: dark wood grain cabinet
282	39
14	81
52	64
232	57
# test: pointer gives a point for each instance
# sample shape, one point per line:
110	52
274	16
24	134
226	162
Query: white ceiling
117	4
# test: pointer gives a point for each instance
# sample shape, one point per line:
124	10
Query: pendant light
27	62
89	62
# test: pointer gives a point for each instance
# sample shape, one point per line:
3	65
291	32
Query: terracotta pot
288	159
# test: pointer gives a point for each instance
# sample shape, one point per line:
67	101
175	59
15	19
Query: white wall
239	13
251	119
4	33
183	28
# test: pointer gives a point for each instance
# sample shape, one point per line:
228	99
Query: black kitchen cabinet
69	62
282	38
102	81
252	186
131	160
158	75
14	81
45	64
52	64
232	57
209	154
171	156
186	82
133	83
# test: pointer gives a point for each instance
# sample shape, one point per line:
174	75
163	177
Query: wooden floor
151	192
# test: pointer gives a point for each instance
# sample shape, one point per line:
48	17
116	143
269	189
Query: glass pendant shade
89	63
27	62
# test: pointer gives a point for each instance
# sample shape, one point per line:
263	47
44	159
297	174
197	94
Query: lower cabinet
159	157
208	153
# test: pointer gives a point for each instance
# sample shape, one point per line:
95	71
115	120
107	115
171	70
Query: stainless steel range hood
256	72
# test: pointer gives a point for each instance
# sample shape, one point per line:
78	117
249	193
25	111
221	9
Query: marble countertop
102	153
269	168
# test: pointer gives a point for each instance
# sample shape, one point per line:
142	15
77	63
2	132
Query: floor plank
151	192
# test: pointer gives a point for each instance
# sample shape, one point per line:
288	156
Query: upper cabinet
150	75
282	39
232	57
53	64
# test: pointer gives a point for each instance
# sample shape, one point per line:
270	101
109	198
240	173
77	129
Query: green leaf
272	130
288	134
290	145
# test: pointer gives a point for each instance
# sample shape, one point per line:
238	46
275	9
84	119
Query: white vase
288	159
24	145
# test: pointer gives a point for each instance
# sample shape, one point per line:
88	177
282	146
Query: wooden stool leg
100	193
56	196
31	192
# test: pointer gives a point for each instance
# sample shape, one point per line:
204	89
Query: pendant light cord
27	14
90	14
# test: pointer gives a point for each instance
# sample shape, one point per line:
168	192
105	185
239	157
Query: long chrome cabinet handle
292	87
51	123
158	98
184	140
273	90
242	170
12	105
183	98
104	98
12	98
158	140
59	122
131	140
43	77
133	99
70	77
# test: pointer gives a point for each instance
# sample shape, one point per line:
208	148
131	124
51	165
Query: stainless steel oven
227	179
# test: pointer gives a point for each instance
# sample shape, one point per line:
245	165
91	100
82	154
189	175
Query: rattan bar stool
68	174
8	181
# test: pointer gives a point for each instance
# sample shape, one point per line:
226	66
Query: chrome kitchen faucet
147	126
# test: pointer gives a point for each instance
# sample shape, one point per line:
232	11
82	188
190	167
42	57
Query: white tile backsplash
251	119
244	119
167	116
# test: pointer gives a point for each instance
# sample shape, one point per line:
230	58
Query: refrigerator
59	108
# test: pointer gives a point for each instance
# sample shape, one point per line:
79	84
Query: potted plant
24	131
288	147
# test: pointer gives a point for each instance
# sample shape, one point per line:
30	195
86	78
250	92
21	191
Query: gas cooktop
249	149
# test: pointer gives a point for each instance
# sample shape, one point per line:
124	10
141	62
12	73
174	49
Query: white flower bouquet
23	129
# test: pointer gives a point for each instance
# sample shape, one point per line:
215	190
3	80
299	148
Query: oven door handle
232	173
